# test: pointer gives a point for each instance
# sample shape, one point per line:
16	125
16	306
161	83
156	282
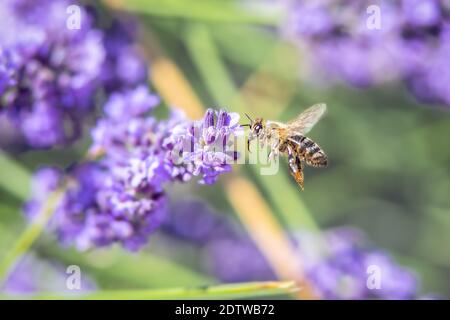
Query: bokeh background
388	153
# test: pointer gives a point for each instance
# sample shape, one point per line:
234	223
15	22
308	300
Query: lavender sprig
204	148
120	197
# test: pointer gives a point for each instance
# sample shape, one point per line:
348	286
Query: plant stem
29	236
226	291
213	11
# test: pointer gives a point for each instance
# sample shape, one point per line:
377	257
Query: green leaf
14	178
226	291
204	10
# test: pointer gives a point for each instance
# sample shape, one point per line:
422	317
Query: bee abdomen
312	153
317	159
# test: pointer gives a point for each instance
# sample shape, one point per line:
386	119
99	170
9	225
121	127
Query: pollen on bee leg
299	178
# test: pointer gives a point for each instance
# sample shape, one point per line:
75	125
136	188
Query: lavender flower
120	197
50	75
52	70
7	71
410	44
98	209
338	263
124	67
204	147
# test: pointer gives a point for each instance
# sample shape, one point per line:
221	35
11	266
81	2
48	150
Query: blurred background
388	177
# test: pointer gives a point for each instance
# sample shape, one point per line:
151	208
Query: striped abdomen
309	151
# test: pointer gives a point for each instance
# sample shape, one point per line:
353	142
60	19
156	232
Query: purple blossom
204	148
55	71
130	104
51	75
7	72
411	43
120	197
124	67
237	259
338	265
98	209
194	221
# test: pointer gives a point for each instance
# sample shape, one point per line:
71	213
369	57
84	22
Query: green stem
217	11
29	236
226	291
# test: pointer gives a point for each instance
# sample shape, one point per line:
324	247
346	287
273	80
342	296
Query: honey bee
289	139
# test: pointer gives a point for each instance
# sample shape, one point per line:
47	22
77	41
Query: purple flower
51	75
55	70
99	208
237	259
7	72
120	196
410	42
195	221
204	148
130	104
124	67
422	13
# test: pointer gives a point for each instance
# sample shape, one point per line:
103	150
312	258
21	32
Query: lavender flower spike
120	197
205	148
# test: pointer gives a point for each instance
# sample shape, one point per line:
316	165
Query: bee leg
296	168
274	151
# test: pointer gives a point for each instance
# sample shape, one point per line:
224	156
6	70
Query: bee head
256	129
257	126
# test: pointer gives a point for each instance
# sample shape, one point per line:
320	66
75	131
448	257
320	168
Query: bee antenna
251	120
246	125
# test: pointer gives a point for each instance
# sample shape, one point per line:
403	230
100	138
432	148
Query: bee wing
307	119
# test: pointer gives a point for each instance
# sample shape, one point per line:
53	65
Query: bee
289	139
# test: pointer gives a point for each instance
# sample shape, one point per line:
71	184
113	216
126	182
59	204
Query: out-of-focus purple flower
7	72
204	148
56	70
33	275
237	259
51	75
130	104
124	67
422	13
194	220
338	265
407	41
